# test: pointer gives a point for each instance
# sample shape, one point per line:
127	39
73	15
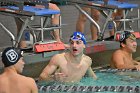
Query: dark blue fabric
119	4
37	11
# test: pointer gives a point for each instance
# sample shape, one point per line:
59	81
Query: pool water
111	79
107	82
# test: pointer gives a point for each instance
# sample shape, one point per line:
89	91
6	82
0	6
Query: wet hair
11	56
78	36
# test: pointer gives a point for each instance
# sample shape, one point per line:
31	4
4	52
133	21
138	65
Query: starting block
117	35
48	47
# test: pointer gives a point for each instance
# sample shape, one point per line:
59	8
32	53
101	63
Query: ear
122	44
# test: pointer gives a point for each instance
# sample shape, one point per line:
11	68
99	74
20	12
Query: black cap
11	56
126	34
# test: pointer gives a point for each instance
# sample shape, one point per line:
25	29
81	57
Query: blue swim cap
11	56
78	36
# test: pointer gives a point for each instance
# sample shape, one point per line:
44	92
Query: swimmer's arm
136	62
118	61
34	87
90	73
47	73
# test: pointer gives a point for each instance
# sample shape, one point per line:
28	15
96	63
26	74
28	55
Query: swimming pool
109	81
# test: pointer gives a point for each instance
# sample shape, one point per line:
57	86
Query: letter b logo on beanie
11	55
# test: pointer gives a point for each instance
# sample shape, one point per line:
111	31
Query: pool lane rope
68	88
110	70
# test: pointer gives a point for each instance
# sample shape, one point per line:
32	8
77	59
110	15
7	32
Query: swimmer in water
10	80
71	66
122	58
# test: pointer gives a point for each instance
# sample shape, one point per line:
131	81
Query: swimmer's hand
95	78
60	76
137	67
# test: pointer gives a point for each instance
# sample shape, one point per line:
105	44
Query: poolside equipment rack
25	10
111	7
